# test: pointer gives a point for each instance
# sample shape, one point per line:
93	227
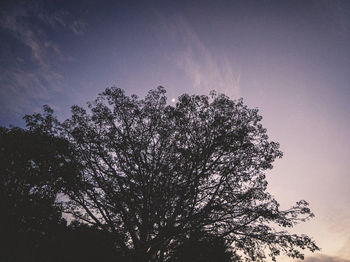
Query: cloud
29	67
17	21
27	37
78	27
62	18
23	83
206	71
326	258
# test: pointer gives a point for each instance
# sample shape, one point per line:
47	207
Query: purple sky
291	59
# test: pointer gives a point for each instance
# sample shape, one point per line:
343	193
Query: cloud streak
31	80
205	71
64	19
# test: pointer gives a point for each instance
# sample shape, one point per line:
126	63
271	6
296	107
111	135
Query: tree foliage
151	174
31	171
35	168
202	247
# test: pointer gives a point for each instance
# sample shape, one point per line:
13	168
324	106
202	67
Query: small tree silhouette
35	168
152	173
30	170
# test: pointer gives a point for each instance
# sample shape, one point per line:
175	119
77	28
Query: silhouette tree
153	173
35	168
30	180
80	242
201	247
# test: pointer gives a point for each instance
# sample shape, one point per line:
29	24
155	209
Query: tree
31	169
153	173
35	168
201	247
80	242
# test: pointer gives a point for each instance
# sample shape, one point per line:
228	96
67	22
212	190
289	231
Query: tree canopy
35	168
152	174
31	171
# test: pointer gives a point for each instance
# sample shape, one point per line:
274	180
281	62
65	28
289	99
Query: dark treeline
32	225
139	180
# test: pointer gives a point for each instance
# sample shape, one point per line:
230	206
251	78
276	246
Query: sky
290	59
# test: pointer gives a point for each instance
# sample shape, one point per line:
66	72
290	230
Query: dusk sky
290	59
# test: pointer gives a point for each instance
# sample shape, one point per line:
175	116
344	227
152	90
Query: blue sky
291	59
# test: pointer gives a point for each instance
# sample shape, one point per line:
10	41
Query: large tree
153	173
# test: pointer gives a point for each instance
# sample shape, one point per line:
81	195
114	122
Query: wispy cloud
30	38
206	71
64	19
23	85
30	80
78	27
